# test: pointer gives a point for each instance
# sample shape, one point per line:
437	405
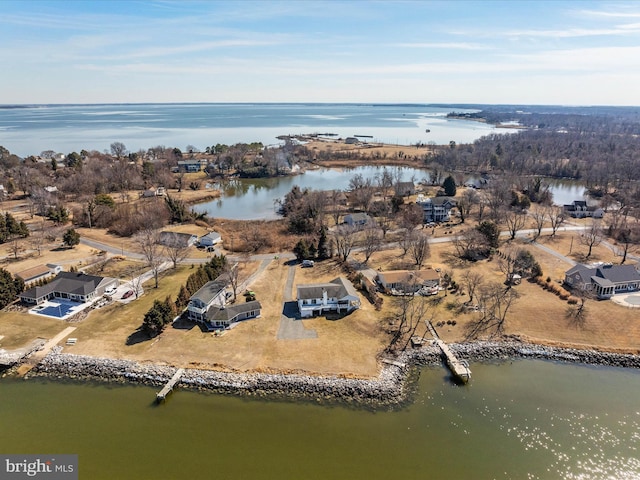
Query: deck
459	368
166	390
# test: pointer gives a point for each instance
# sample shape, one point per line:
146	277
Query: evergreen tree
71	238
449	186
10	287
323	245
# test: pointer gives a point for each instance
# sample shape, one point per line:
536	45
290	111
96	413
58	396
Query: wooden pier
166	390
459	368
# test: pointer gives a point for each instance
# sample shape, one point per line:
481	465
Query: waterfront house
210	294
191	166
177	239
603	280
357	219
408	281
38	272
229	314
75	286
208	306
437	209
580	209
338	295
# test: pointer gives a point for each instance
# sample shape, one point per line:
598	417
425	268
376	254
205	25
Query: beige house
408	281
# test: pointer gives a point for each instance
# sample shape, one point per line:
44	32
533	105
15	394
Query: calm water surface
67	128
526	419
251	199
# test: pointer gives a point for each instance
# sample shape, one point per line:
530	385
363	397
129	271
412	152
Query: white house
580	209
39	272
210	239
211	294
338	295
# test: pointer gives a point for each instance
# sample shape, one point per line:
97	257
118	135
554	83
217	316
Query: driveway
291	326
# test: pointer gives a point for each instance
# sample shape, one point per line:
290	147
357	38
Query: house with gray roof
177	239
225	316
603	280
75	286
580	209
210	294
210	239
357	219
208	306
338	295
437	209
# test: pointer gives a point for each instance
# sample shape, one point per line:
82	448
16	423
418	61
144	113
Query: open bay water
29	130
525	419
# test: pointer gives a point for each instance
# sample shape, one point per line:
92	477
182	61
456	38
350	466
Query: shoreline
391	388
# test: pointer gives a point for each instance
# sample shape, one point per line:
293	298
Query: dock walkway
166	390
458	367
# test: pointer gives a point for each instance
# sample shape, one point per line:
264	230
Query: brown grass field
348	346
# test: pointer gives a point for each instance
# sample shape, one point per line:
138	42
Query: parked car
307	263
110	290
127	294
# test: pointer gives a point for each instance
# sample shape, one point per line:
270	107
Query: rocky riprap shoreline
391	387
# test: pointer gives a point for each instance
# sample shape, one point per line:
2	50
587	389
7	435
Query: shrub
572	300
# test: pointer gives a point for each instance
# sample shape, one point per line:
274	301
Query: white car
307	263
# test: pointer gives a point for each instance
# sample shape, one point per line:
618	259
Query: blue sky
539	52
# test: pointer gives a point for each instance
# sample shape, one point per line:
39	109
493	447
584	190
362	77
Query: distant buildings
580	209
356	219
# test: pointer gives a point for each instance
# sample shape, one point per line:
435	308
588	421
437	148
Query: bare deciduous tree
539	216
345	239
148	241
472	281
515	220
419	249
371	240
591	237
495	302
174	248
468	200
409	312
118	150
231	273
556	218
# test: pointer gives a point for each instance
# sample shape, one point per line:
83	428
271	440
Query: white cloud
443	45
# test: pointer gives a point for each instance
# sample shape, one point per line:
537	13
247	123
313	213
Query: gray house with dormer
603	280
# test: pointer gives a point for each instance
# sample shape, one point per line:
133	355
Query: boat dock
459	368
166	390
